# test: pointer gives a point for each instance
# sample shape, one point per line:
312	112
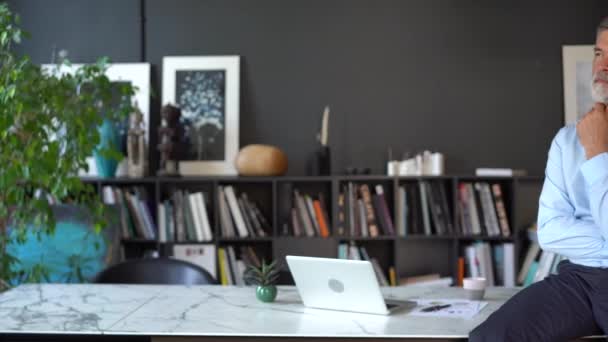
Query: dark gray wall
87	29
480	81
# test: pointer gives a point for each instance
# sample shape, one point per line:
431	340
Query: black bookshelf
410	255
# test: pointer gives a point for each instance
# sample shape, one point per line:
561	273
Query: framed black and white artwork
136	74
206	89
577	63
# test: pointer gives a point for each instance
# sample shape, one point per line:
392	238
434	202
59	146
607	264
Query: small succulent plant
265	275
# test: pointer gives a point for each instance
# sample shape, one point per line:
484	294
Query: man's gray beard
599	93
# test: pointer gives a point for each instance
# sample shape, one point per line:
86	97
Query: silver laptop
338	284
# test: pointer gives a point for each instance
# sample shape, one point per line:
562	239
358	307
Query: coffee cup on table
475	288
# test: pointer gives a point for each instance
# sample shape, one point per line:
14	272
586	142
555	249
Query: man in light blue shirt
573	222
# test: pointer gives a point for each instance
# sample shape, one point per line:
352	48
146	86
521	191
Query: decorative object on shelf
136	75
577	60
170	135
137	149
109	139
261	160
423	164
320	162
392	165
51	129
206	88
265	278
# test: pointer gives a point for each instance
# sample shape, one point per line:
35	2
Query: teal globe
75	253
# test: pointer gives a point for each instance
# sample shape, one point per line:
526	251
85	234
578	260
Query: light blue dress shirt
573	206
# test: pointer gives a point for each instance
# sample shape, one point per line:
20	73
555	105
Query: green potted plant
265	278
48	127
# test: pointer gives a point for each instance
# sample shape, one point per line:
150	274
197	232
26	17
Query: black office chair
155	271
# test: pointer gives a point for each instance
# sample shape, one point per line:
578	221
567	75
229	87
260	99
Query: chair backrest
155	271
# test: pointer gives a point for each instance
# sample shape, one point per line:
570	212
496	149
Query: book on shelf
392	276
490	217
340	230
531	254
240	217
529	279
496	263
368	211
203	255
499	172
235	211
162	230
426	220
382	211
402	212
461	271
322	218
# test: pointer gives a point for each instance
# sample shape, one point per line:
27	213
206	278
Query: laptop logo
336	285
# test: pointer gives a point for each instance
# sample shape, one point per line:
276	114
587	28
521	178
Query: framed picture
138	75
206	89
577	63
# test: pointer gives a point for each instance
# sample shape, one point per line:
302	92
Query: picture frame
207	90
138	75
577	67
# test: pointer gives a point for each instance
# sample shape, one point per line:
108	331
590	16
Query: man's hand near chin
592	131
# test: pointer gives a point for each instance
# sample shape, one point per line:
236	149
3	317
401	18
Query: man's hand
592	131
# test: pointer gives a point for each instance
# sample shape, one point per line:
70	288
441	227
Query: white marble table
214	311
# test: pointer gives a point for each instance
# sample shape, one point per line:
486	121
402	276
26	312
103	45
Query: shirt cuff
595	168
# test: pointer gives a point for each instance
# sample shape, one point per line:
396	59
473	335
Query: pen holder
320	163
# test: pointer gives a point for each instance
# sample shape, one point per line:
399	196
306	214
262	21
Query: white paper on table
459	308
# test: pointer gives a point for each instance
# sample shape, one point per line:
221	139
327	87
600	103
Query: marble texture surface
78	309
217	311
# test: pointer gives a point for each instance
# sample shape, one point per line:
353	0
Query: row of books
482	209
185	217
423	208
363	214
233	267
495	263
308	216
538	264
240	216
135	216
354	252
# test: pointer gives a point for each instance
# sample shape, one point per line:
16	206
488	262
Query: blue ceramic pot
109	137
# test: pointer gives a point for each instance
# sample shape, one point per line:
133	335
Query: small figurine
170	134
137	162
